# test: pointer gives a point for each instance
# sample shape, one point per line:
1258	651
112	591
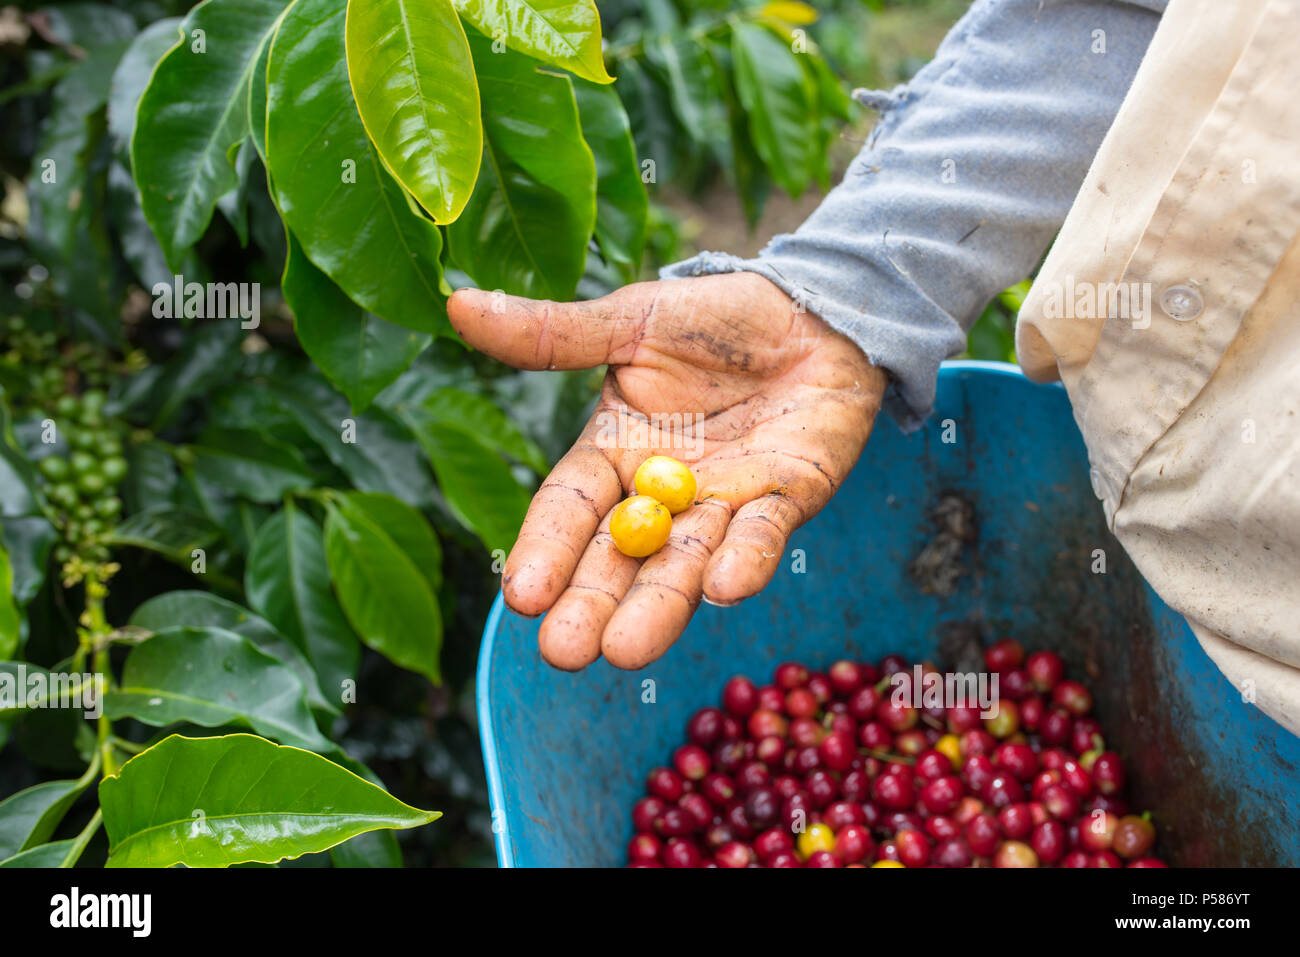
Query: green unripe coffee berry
92	483
83	462
64	494
113	469
109	507
54	468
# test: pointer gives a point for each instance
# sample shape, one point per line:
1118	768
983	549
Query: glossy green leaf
378	456
781	103
486	421
213	678
9	616
351	216
27	540
287	581
56	854
373	849
29	817
745	169
199	609
132	75
209	354
251	465
407	528
413	81
169	531
213	802
257	90
655	128
386	595
19	486
358	352
151	477
526	227
695	90
194	111
67	189
563	33
476	482
621	202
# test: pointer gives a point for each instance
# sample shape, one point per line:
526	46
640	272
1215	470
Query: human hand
766	403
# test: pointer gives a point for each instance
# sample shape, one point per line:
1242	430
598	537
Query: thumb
539	334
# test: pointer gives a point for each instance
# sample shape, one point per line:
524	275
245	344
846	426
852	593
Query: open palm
767	404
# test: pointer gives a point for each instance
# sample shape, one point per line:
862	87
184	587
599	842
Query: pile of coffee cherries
834	769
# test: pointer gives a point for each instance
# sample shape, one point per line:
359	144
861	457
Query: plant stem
82	839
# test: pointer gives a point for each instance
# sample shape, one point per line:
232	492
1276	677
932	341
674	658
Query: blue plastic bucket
567	754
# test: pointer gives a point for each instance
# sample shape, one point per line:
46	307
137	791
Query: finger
538	334
569	638
561	520
748	557
666	590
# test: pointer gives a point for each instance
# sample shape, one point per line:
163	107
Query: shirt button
1095	477
1181	303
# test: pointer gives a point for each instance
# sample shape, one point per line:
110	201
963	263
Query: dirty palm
316	491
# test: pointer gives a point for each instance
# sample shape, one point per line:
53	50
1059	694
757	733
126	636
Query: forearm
962	184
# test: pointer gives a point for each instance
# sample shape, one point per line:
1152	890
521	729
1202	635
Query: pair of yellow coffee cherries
662	487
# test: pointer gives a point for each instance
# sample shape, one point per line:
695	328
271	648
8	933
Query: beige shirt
1170	309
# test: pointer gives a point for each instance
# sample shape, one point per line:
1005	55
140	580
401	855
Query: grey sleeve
962	186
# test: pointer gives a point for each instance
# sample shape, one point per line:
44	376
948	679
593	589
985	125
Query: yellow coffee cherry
887	864
640	526
818	837
950	747
666	480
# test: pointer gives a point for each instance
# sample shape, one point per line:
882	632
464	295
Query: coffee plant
247	473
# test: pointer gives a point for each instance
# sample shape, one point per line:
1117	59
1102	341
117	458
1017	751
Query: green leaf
19	485
781	102
563	33
257	90
132	76
56	854
413	81
287	581
374	849
151	477
407	528
205	360
10	619
379	457
200	609
621	202
28	541
485	420
67	189
194	111
213	678
526	227
358	352
477	484
695	90
384	592
29	817
351	216
171	532
655	128
251	465
213	802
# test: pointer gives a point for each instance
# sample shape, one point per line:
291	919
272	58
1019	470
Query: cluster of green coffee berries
81	473
81	486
